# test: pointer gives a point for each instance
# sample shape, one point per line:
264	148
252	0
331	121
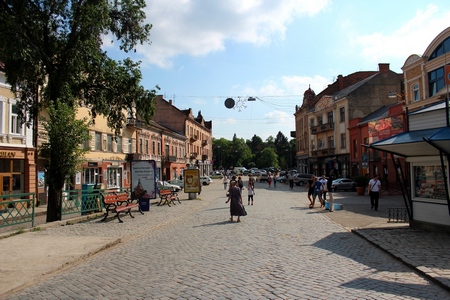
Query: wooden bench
118	202
168	196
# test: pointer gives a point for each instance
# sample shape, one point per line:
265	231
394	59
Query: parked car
177	182
164	185
205	180
302	179
345	184
281	178
263	177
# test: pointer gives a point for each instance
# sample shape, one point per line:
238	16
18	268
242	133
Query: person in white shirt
374	191
324	182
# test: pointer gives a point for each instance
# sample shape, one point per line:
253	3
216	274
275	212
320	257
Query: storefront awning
425	142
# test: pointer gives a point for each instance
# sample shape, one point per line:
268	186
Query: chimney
383	68
170	102
340	82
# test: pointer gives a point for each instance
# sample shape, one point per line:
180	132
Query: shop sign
5	154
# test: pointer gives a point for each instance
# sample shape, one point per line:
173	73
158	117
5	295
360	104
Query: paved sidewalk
28	258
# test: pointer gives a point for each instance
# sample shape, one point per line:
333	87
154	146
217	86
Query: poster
383	128
41	179
191	179
143	181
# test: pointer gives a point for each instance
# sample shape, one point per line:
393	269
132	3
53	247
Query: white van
239	170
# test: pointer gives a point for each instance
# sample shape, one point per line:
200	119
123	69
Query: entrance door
6	186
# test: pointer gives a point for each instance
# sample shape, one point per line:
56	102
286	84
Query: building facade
426	143
17	153
197	130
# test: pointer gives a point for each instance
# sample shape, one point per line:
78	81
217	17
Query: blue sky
204	51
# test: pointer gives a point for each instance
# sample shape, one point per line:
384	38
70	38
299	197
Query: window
130	146
343	142
342	114
429	182
319	144
98	141
140	146
113	177
443	48
153	147
435	81
109	142
415	93
331	142
330	117
86	144
119	144
311	122
16	127
319	120
146	146
355	148
159	148
90	175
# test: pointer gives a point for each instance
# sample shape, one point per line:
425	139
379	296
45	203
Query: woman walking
236	206
251	192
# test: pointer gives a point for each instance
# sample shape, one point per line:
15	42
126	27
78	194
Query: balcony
193	138
322	128
172	158
204	143
132	122
193	155
323	152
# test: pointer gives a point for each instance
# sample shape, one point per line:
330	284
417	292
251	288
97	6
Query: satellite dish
229	103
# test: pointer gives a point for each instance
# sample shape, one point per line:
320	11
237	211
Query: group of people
319	188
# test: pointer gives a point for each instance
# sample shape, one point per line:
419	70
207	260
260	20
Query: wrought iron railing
83	201
17	209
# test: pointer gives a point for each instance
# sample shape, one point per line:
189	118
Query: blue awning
426	142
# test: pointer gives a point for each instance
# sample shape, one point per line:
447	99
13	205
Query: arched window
443	48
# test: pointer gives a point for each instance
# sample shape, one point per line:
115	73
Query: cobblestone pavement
281	250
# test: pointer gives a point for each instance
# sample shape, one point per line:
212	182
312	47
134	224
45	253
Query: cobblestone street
281	250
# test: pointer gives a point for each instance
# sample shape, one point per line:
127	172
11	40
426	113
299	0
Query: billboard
191	181
383	128
143	181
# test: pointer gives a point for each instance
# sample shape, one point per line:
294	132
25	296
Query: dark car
302	179
345	184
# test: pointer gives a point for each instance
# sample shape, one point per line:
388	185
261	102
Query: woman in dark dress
236	206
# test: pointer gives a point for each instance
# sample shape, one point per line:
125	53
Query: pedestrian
240	184
275	180
374	191
291	180
252	179
269	180
330	189
310	187
236	206
318	187
225	182
251	192
324	180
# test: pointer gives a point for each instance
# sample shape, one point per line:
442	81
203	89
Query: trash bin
144	204
89	198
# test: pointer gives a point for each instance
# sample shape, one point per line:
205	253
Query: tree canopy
52	54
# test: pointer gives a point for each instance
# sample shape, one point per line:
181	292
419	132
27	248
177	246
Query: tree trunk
54	204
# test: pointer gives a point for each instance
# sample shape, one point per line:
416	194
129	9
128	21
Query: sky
203	52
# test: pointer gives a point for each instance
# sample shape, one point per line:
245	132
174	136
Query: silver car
345	184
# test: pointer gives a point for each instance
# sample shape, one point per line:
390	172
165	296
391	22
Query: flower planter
360	190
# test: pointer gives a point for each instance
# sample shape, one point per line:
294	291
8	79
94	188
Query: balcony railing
132	122
204	143
193	155
322	128
323	152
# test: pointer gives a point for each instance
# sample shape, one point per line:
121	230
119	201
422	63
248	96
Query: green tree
268	158
52	51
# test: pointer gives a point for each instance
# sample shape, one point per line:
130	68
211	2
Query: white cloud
199	27
411	38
